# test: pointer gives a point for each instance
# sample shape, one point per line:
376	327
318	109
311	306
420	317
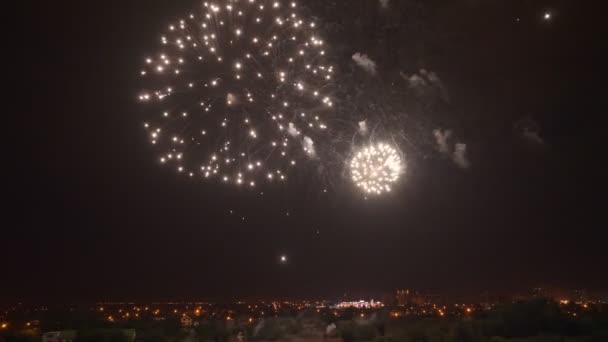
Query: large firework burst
238	92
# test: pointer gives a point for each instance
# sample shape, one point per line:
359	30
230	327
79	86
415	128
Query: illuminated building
186	321
359	305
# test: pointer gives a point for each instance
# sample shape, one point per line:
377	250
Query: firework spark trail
239	92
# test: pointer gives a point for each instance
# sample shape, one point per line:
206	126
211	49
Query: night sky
90	214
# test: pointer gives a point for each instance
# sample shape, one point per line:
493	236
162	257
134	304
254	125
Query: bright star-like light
376	168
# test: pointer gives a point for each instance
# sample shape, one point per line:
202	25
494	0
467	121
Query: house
186	321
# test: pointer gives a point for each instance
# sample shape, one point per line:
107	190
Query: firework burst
376	168
239	92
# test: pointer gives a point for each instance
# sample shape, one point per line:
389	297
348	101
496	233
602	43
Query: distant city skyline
398	297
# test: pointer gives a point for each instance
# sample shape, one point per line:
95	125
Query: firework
238	92
374	169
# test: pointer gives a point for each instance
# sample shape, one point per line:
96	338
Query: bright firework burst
375	168
240	90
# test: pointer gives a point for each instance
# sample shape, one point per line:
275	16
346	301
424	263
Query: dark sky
91	216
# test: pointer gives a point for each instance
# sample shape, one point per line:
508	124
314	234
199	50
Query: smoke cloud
458	153
425	82
292	130
365	63
309	146
529	130
230	99
363	127
460	156
441	138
